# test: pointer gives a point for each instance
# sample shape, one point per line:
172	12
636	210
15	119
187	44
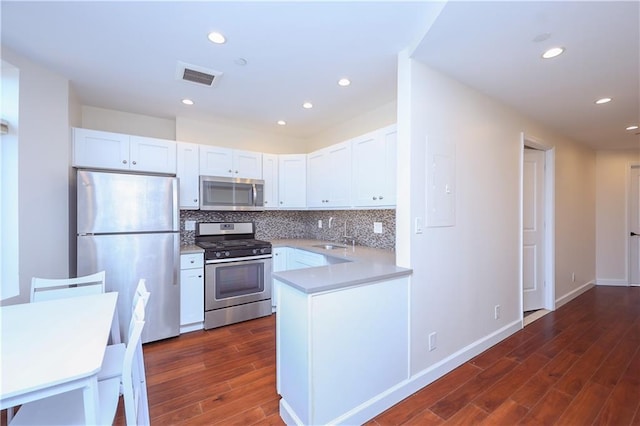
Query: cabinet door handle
195	200
280	202
236	172
199	276
134	163
124	161
375	198
230	171
380	197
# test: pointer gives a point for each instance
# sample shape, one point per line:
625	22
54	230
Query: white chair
49	289
68	408
133	386
43	289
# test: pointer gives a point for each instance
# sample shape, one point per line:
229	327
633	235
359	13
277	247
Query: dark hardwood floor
579	365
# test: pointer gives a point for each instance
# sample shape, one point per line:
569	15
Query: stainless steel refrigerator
128	225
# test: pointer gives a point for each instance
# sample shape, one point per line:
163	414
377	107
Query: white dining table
51	347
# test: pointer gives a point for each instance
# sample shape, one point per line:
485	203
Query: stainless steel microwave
222	193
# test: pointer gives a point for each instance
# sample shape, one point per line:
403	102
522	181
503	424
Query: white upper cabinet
188	170
270	177
106	150
152	155
227	162
374	168
329	177
292	180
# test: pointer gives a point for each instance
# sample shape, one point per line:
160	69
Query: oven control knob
226	253
217	254
263	250
255	251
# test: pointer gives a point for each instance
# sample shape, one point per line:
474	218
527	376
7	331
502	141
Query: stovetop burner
232	244
230	240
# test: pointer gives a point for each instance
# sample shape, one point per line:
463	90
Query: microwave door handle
255	195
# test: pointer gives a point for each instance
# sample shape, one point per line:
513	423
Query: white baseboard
613	282
573	294
402	390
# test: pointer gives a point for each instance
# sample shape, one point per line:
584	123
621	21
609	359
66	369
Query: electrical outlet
432	341
189	225
496	312
377	227
320	223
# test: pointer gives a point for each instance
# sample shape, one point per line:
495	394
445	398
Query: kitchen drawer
191	260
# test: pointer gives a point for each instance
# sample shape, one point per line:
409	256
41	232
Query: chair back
141	293
134	388
49	289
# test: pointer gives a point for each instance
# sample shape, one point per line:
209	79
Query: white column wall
43	173
612	187
462	272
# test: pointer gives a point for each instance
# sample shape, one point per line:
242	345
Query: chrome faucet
345	237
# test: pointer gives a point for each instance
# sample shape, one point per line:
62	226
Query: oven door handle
238	259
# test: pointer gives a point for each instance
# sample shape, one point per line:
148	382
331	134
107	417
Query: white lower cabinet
191	292
287	259
299	259
355	339
280	256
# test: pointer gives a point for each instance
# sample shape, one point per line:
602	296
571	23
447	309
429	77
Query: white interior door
533	268
634	227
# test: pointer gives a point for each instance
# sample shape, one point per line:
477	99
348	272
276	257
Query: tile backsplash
275	224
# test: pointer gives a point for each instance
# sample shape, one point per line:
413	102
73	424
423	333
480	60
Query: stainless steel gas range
237	273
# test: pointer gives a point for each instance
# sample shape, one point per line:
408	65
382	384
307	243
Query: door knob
633	234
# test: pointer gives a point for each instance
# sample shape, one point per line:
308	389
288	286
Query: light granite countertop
190	248
363	265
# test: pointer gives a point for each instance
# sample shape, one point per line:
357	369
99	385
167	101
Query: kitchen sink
330	246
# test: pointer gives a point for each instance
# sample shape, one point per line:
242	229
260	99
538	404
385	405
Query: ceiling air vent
197	75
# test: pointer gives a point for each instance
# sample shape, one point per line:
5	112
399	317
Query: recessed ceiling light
603	101
187	101
282	123
634	127
307	105
344	82
553	52
217	38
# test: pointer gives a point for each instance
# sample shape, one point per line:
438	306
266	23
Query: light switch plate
418	225
377	227
189	225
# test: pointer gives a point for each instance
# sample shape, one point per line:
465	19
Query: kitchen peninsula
342	333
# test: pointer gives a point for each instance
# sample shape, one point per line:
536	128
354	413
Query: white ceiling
124	56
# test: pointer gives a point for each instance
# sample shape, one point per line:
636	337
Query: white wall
462	272
109	120
221	132
612	174
367	122
229	134
44	152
